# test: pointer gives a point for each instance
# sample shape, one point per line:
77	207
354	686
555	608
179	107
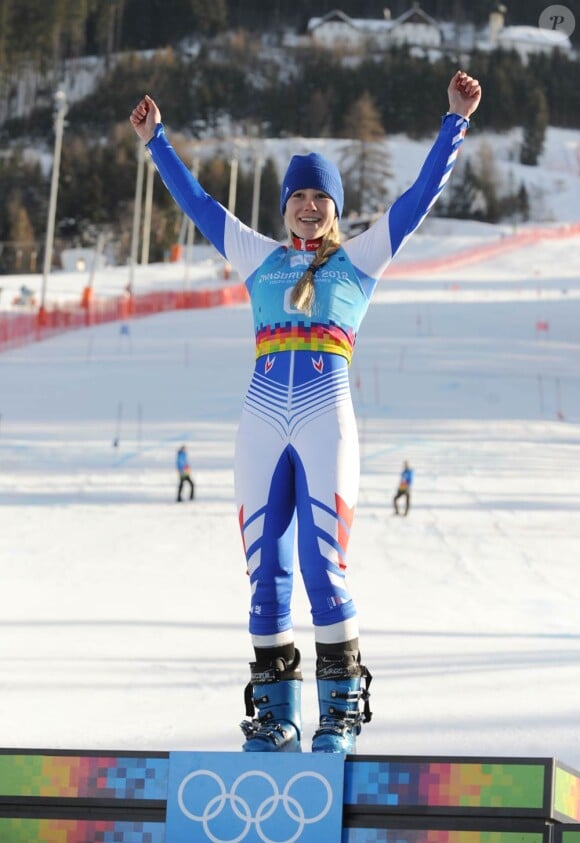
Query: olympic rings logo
265	810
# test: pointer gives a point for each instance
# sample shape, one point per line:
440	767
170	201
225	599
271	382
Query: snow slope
124	614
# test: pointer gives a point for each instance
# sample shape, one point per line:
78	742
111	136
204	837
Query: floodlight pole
233	183
190	231
59	115
147	212
136	215
256	190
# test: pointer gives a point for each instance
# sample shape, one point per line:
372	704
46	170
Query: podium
66	796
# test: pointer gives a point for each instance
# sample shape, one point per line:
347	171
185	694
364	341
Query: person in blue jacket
184	472
296	463
404	488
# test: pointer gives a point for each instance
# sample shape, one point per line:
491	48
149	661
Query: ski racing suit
296	457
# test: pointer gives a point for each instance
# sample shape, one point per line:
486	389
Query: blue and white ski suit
297	458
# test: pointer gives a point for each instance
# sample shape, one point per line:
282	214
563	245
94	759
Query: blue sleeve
206	212
409	210
243	247
372	251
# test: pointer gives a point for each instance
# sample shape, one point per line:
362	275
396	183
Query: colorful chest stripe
344	285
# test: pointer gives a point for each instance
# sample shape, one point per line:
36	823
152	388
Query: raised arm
409	211
239	244
373	250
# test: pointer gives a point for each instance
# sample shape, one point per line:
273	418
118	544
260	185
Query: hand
145	117
464	94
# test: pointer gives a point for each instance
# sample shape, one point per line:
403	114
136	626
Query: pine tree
270	222
318	115
4	34
536	122
523	203
460	198
488	180
365	161
20	234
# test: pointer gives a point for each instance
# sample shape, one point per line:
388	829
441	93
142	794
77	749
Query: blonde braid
302	297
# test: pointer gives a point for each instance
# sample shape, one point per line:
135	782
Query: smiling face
310	213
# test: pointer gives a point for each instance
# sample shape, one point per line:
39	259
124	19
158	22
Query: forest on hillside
363	106
245	90
48	32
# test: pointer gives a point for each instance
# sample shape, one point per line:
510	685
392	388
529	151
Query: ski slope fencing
487	251
19	329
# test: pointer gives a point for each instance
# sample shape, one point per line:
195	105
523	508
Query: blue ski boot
339	700
274	690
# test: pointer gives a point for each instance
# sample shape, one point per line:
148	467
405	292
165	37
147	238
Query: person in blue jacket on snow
404	488
296	461
184	473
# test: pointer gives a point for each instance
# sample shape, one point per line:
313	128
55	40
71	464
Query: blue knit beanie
313	172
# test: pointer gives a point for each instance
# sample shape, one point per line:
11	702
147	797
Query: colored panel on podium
65	796
453	832
83	776
233	796
566	793
458	786
27	830
566	834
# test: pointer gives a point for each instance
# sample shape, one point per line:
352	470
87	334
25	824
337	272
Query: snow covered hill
124	614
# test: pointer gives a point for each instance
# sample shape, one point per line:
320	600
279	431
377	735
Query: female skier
297	459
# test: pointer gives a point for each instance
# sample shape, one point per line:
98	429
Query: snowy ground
124	615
